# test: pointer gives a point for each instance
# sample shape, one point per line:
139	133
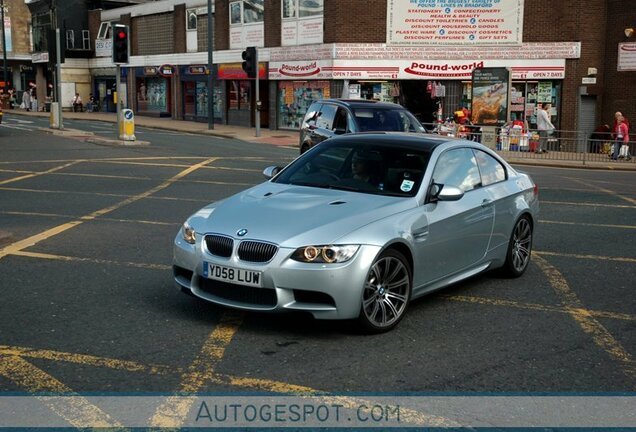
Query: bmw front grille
255	251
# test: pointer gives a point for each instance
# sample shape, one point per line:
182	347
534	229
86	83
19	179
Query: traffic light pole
257	114
58	76
118	100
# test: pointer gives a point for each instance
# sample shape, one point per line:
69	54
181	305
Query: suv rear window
388	120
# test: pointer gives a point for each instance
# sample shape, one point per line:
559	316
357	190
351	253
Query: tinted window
457	168
490	168
327	114
392	120
340	124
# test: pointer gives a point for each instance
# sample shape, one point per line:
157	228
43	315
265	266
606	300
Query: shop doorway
416	99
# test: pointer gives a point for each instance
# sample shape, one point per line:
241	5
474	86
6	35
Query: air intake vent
254	251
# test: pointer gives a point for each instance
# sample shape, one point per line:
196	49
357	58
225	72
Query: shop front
153	96
431	89
194	81
240	95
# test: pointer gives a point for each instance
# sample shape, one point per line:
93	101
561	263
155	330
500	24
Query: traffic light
250	62
121	43
51	44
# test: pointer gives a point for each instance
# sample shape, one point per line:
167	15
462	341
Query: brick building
19	69
564	52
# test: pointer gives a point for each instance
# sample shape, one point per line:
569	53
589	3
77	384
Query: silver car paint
295	216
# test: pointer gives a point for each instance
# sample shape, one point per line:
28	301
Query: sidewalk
290	138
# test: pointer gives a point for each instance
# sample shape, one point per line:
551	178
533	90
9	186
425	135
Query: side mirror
271	171
450	193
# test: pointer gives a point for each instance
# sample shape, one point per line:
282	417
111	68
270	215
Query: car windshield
387	120
379	169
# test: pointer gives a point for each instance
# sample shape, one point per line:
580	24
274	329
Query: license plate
233	275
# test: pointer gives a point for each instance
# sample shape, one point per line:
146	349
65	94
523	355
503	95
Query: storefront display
294	98
152	94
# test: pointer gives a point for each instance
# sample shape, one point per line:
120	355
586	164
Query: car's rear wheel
386	293
519	248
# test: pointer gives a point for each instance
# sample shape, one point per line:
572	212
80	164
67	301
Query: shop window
294	99
239	95
152	94
202	99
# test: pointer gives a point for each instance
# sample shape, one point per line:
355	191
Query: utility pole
210	66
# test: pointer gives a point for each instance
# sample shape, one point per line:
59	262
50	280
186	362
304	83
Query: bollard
54	116
127	125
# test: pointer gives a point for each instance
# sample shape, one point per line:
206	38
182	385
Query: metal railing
561	145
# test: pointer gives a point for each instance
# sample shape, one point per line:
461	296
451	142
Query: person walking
621	140
26	100
545	126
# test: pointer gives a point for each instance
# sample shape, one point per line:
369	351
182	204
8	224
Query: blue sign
128	114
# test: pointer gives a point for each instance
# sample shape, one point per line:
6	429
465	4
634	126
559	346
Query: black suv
328	117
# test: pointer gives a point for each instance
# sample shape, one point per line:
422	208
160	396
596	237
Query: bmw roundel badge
241	232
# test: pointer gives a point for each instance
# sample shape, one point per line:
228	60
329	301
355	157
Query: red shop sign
166	70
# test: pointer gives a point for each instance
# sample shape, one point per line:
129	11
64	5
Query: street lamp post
210	65
4	46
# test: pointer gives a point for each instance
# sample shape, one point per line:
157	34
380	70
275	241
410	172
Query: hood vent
337	202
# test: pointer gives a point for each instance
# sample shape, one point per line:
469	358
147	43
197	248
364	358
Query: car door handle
486	203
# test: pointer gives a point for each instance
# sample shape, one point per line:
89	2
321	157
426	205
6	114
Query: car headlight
325	254
188	233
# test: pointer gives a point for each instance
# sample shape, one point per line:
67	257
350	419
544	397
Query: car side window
326	118
492	171
457	167
312	114
340	124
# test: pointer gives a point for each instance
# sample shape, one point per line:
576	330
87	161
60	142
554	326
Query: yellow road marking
586	204
590	257
202	370
99	194
28	176
534	306
585	320
86	360
30	241
587	224
105	219
77	411
607	191
90	260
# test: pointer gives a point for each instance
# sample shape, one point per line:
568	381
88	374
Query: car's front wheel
519	248
386	293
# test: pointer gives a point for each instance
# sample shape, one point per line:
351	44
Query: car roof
361	103
426	142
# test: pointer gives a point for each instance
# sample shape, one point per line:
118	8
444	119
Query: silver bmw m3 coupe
359	226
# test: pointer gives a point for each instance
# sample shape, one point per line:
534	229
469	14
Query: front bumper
327	291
